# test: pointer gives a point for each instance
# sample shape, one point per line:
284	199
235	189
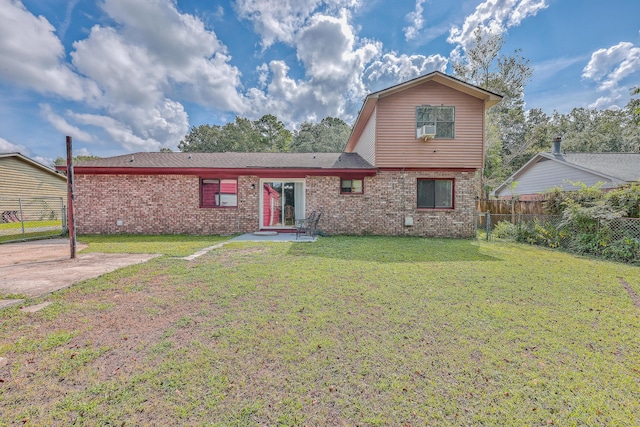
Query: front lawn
347	331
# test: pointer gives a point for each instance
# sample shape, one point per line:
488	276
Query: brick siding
388	198
170	204
158	204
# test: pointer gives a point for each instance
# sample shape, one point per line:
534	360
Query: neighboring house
23	178
409	168
546	171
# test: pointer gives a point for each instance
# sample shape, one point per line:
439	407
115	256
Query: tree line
267	134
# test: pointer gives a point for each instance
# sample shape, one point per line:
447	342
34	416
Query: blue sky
122	76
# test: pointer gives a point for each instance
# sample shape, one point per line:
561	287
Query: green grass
174	245
30	224
12	231
365	331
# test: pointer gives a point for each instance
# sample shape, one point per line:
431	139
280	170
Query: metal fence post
64	218
21	217
488	224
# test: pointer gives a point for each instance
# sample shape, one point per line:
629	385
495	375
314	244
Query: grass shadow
392	249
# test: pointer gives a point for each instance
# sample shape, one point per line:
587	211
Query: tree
634	104
62	161
274	136
329	136
590	130
507	75
204	139
242	135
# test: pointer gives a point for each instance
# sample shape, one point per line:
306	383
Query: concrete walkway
37	268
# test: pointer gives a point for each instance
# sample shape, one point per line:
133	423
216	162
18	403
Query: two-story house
409	168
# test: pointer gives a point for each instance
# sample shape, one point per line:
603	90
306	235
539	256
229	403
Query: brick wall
169	204
158	204
388	198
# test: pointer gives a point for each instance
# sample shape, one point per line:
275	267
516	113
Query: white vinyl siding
547	174
366	145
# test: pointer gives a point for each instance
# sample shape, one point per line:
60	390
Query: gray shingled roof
232	161
624	166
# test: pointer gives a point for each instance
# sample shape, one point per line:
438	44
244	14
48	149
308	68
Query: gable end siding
547	174
22	180
366	145
396	143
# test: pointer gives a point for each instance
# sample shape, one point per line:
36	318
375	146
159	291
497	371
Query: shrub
626	199
557	200
540	233
505	230
588	216
588	227
626	249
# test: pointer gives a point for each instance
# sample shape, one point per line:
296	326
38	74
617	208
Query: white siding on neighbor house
366	145
21	179
547	174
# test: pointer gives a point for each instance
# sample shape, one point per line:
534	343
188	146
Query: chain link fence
617	238
31	218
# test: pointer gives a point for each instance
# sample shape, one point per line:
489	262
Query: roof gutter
224	172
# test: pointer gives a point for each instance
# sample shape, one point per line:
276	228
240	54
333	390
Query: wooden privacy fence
509	207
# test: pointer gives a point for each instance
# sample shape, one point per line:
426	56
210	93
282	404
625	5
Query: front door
281	203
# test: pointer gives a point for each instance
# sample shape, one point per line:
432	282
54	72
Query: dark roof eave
257	171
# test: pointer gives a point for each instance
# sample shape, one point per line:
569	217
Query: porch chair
309	225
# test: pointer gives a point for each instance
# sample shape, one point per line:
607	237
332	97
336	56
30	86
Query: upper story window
218	193
351	186
435	193
436	121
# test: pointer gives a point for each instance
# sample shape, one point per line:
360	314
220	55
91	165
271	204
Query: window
218	193
443	118
435	193
351	186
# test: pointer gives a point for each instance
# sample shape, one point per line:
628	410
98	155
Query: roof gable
612	167
34	164
489	98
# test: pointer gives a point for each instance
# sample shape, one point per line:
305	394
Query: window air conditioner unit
426	132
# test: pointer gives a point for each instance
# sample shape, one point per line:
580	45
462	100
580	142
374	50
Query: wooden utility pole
70	217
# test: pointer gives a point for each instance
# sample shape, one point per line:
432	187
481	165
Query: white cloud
64	26
32	56
62	125
119	131
392	69
158	51
611	69
44	161
155	53
8	147
334	62
494	16
280	20
416	20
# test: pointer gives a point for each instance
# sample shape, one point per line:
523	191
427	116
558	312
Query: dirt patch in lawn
632	294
